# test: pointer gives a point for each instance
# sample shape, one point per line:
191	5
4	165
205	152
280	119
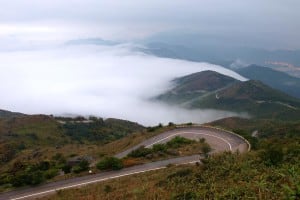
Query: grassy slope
7	114
215	91
275	79
196	85
33	139
255	98
223	176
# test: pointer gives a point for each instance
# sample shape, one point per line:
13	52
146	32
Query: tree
206	149
67	168
273	155
82	166
110	163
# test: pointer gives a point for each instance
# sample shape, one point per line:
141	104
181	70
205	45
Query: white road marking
180	133
86	183
95	181
127	174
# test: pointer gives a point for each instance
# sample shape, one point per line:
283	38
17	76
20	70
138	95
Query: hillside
269	171
32	141
8	114
275	79
253	97
195	85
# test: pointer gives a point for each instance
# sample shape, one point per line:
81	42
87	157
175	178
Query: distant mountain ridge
8	114
275	79
253	97
92	41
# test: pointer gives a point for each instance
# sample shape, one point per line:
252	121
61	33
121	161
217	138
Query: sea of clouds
106	81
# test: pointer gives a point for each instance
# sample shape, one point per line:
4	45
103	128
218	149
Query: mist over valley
106	81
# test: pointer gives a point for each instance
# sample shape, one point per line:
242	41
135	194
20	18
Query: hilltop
8	114
195	85
259	100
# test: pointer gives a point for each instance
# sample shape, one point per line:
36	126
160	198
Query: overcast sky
274	22
41	74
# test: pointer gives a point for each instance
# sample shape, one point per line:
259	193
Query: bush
206	149
171	124
181	173
140	152
51	173
107	188
110	163
159	147
59	158
67	169
273	155
44	165
202	140
151	129
252	140
27	178
82	166
178	142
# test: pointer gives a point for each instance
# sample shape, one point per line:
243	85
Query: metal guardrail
217	128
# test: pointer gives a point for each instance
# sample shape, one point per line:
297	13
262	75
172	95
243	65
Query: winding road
219	140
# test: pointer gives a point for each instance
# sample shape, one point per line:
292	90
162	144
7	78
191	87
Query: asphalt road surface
219	140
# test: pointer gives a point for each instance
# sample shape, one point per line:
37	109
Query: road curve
218	139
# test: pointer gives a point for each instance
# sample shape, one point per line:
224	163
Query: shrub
273	155
107	188
151	129
159	147
178	141
110	163
171	124
67	169
202	140
82	166
206	149
181	173
140	152
28	177
51	173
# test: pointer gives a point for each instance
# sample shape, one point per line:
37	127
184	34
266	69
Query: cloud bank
106	81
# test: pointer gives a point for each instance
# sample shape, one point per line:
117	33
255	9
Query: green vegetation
70	145
99	130
178	141
8	114
275	79
196	85
271	171
29	174
81	166
211	90
110	163
174	143
32	173
177	146
63	143
255	98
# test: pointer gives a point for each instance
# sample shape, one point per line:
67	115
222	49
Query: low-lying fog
105	81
